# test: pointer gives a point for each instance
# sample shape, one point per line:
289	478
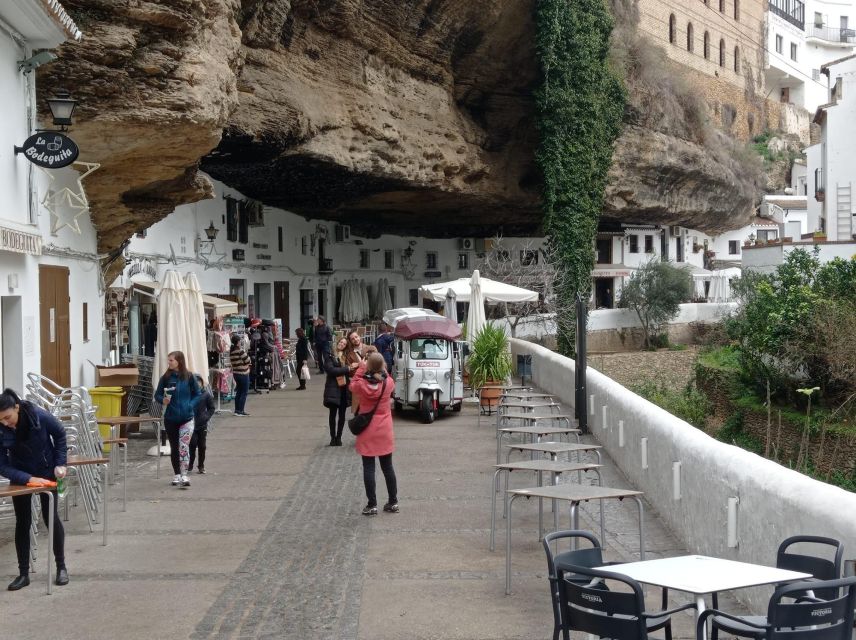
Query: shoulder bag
360	421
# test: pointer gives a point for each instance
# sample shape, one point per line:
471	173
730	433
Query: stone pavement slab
270	543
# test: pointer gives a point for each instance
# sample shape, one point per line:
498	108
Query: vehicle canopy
411	322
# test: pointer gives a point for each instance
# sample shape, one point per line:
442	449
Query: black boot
19	583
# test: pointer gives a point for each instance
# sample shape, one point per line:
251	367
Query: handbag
360	421
341	381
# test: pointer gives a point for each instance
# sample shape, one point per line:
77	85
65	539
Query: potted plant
489	363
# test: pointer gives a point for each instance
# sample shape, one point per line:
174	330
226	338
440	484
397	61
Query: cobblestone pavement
271	543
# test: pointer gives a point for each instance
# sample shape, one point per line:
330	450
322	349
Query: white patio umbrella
450	306
365	310
386	301
172	322
476	316
492	291
197	350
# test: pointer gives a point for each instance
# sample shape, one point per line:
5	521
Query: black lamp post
62	107
211	232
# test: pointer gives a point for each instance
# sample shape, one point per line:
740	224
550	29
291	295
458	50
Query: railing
833	34
819	186
791	10
325	265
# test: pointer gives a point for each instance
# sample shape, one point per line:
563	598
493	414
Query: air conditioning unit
343	233
675	231
466	244
815	74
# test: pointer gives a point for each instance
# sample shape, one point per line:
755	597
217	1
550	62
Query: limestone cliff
396	115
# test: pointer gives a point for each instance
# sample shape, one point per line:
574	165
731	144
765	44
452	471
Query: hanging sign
49	149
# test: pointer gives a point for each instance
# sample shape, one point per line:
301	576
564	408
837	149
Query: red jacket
378	438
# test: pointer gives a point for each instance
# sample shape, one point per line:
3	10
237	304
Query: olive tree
654	292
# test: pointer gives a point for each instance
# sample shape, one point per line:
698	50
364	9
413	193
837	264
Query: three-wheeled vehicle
428	361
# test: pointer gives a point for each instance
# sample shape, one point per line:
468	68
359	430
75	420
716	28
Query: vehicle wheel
426	405
457	407
397	406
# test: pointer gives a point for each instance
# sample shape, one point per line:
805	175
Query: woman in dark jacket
301	353
32	451
336	396
178	392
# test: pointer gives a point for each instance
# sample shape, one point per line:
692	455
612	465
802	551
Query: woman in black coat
301	353
336	396
32	452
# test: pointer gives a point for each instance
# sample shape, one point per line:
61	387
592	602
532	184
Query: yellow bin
108	402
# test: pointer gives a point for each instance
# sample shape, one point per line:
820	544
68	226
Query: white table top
539	431
557	466
553	447
577	493
703	574
529	404
536	416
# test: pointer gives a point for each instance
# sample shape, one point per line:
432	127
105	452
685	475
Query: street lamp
62	107
211	232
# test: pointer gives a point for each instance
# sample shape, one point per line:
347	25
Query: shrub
690	404
732	432
655	292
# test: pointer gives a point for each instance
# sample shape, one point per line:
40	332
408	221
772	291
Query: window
231	220
733	247
86	322
365	259
279	238
431	260
679	249
818	20
649	244
604	250
673	29
414	297
463	261
388	258
737	9
780	43
634	244
429	349
722	53
690	36
706	45
528	257
736	59
722	6
243	225
304	245
793	51
844	23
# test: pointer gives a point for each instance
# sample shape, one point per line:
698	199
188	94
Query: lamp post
211	232
62	107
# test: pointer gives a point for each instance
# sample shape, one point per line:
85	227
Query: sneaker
184	482
200	470
391	507
176	480
369	510
243	414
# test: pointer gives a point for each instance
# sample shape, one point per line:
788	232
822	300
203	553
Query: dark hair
182	372
236	340
8	399
300	332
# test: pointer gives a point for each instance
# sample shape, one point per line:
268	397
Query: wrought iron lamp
62	107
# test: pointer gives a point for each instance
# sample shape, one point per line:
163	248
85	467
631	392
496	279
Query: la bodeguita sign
49	149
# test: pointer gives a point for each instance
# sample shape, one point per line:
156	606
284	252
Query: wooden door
280	306
55	337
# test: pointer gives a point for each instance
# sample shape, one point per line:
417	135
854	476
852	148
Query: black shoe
22	581
61	577
200	470
332	442
338	442
368	510
391	507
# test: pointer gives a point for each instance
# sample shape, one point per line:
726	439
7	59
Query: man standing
323	339
385	345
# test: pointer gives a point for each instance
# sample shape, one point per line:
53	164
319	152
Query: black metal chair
792	615
820	568
595	608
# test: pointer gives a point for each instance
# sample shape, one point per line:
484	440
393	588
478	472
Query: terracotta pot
489	398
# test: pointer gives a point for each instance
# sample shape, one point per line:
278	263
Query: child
204	410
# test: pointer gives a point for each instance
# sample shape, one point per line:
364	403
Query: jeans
179	446
388	474
24	520
242	387
198	441
336	427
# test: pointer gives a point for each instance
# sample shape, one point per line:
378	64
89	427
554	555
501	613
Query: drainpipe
580	405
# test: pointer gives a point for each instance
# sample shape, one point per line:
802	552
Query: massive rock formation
397	115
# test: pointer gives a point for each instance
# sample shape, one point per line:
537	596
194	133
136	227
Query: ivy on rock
580	106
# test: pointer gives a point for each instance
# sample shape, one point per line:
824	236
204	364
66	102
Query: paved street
271	543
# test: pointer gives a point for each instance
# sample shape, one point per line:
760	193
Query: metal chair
791	615
587	604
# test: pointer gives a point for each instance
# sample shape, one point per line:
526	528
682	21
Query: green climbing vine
580	105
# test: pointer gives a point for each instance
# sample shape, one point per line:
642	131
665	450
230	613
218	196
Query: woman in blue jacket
32	451
178	392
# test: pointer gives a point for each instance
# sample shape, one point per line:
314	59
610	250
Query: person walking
373	390
301	353
385	344
240	363
336	395
204	411
32	452
178	392
323	339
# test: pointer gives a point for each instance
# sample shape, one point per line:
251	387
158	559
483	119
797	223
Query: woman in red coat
372	388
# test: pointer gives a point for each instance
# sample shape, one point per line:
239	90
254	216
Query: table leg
555	507
602	528
575	524
493	509
641	528
106	506
158	436
700	607
499	435
540	506
125	476
49	544
508	547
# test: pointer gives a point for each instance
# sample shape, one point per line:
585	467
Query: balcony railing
833	34
791	10
325	265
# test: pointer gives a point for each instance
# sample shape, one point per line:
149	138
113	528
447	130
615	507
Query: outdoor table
121	442
573	494
525	395
553	449
535	417
534	432
526	406
79	461
504	388
13	490
539	466
116	421
699	575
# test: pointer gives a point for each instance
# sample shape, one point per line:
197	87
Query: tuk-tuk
428	361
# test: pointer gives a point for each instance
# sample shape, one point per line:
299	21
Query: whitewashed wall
775	502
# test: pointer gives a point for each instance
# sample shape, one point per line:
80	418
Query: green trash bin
108	403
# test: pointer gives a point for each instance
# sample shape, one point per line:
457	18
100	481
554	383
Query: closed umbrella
450	306
386	301
172	321
364	301
475	317
378	300
197	350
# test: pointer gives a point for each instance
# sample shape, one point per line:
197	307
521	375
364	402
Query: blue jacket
34	447
184	398
385	344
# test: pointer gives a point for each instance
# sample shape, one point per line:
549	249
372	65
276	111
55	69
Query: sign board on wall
49	149
20	241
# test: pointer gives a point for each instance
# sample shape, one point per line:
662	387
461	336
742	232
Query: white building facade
51	308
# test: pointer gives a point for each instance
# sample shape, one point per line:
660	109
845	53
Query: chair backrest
600	609
820	568
826	619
